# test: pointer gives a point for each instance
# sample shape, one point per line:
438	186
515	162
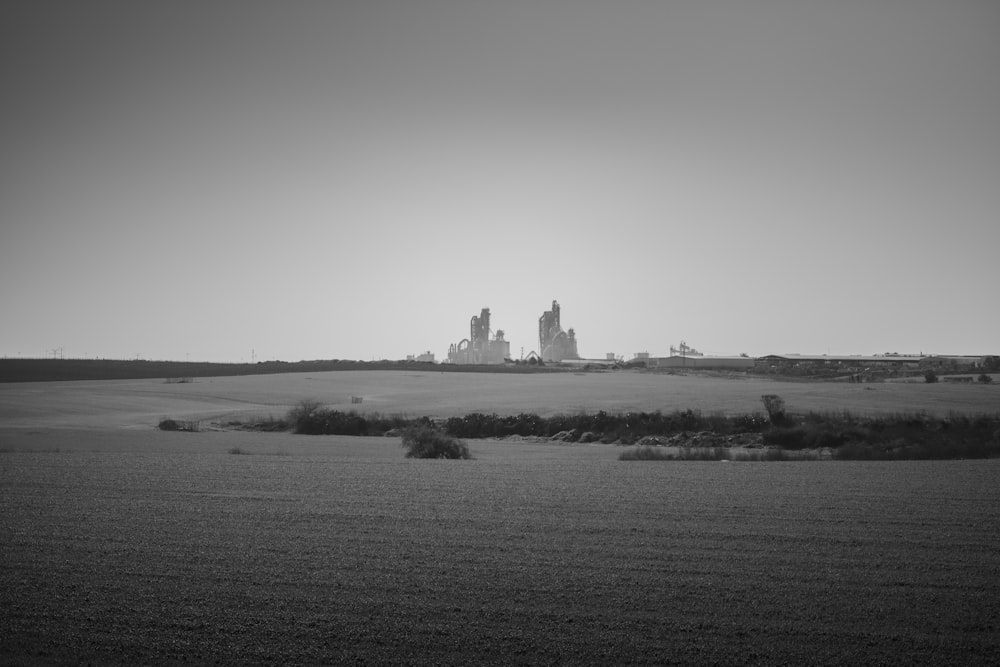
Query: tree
775	406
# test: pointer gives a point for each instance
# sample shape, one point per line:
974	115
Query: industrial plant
479	347
554	344
483	346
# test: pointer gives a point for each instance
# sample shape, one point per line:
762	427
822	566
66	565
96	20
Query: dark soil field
122	544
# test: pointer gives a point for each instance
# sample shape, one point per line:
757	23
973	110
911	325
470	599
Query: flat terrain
142	403
123	544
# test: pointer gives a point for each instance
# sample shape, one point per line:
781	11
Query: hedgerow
847	436
626	427
310	418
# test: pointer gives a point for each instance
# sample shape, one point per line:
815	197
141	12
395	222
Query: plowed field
121	544
151	547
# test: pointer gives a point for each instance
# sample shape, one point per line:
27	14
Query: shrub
646	454
750	423
176	425
268	424
930	377
985	379
775	406
301	416
704	454
608	427
426	442
169	425
769	454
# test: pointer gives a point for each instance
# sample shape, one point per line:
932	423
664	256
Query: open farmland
164	547
123	544
142	403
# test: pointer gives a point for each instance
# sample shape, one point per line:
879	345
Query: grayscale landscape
123	543
485	332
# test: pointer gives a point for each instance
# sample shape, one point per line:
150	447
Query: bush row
904	436
309	417
644	453
626	427
312	419
888	437
901	436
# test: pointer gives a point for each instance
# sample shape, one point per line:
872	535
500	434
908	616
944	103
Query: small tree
985	379
775	406
930	377
302	416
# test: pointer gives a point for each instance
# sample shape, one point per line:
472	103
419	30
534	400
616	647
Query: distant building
684	350
845	363
701	362
581	363
427	356
479	347
554	344
953	362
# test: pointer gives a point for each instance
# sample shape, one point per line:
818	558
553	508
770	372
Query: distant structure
479	348
427	356
684	350
686	357
554	344
701	361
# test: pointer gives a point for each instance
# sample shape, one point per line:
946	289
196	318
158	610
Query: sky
244	180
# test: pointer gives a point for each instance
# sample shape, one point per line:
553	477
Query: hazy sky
195	179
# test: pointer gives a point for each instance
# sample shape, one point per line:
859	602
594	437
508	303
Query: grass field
122	544
141	403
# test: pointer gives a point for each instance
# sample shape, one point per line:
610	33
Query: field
141	403
123	544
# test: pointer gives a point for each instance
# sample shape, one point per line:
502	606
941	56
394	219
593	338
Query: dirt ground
122	544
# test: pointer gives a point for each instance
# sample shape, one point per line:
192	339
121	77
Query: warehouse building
701	362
